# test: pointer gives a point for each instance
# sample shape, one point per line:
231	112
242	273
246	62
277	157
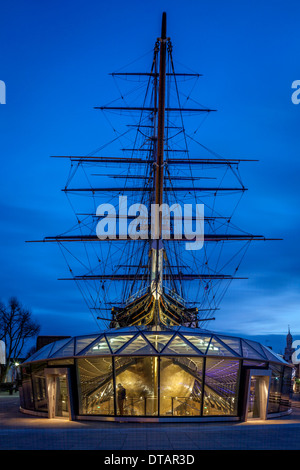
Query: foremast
157	249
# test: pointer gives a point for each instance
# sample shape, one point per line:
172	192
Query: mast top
164	26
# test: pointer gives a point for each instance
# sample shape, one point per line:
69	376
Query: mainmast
157	244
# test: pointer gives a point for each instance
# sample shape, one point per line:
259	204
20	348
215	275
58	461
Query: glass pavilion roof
140	341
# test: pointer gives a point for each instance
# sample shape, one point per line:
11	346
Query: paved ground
22	432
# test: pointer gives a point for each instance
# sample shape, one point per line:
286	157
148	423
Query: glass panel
269	354
217	349
59	344
275	388
180	386
221	387
137	385
61	362
257	347
158	340
116	342
43	353
179	346
98	348
66	351
272	356
250	352
160	328
254	364
39	387
95	384
254	398
82	343
31	358
129	329
286	389
201	342
138	346
26	395
233	343
185	329
61	396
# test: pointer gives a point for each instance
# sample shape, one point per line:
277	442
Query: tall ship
152	281
133	278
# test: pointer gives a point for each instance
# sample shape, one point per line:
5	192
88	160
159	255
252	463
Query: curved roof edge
157	341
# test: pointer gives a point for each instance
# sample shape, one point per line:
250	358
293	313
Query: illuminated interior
141	372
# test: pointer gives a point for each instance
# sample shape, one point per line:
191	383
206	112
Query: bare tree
16	327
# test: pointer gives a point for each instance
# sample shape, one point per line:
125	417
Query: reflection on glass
65	351
100	347
180	386
215	348
275	388
254	398
61	362
179	346
221	387
159	341
286	389
58	345
254	364
257	347
39	387
82	343
233	343
26	393
61	396
136	385
117	341
201	342
138	346
250	352
96	395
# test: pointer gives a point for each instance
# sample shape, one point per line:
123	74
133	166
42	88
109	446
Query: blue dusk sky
55	61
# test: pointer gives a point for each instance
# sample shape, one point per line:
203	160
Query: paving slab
19	431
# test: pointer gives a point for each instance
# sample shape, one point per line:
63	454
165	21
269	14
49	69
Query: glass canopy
179	341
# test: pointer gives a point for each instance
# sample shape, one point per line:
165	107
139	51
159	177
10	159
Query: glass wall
221	387
61	396
167	385
26	393
180	386
286	389
275	388
61	362
137	385
254	364
39	387
95	386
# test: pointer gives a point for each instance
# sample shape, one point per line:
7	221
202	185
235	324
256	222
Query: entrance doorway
254	402
61	397
257	394
59	393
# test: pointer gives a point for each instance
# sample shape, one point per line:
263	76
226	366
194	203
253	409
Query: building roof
141	341
42	341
